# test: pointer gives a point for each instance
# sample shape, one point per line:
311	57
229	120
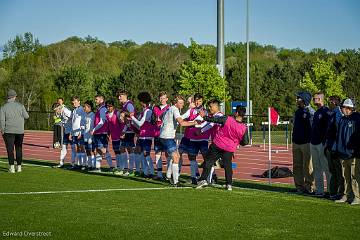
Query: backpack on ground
278	172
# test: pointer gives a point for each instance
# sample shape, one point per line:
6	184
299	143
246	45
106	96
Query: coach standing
302	164
12	116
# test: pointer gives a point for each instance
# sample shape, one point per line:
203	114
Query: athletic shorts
128	141
77	141
145	145
158	147
184	145
116	145
66	140
169	145
89	146
194	147
100	141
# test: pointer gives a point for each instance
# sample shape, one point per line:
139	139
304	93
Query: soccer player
159	112
88	138
64	113
78	121
231	133
115	131
100	133
214	109
127	143
146	135
171	120
194	141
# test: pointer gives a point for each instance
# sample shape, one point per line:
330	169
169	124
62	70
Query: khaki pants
351	172
302	167
321	166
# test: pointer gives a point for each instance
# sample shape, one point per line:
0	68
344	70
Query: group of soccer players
133	133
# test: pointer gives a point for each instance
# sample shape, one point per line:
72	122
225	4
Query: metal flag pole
269	126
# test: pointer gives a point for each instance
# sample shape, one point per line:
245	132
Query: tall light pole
247	63
220	56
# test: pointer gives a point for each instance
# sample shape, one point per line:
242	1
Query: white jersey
65	116
78	121
169	124
89	126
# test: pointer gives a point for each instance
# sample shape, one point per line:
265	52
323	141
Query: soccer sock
92	161
193	167
73	154
180	163
63	154
175	172
79	159
124	161
150	164
138	162
169	167
209	178
118	161
158	164
131	161
108	158
144	165
98	161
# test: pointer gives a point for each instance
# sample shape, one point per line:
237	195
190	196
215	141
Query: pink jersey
115	129
130	127
104	128
190	131
147	130
229	136
159	113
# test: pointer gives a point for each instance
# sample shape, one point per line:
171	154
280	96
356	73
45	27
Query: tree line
88	66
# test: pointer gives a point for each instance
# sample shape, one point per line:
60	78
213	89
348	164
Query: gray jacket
12	116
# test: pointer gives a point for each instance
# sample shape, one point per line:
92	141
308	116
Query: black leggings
214	154
11	140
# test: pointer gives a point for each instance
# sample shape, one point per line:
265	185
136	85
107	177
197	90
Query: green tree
200	75
323	78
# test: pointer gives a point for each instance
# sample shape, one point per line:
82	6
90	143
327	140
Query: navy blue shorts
100	141
195	147
184	145
169	145
158	147
76	141
89	146
145	145
128	141
66	140
116	145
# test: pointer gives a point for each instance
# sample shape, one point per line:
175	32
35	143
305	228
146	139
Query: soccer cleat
176	185
201	184
126	173
194	181
59	166
12	169
96	170
119	173
228	187
356	201
19	168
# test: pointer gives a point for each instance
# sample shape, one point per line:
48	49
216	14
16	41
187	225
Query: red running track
251	161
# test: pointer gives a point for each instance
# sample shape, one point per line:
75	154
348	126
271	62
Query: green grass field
148	209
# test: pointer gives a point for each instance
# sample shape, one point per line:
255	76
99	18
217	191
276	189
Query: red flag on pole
274	116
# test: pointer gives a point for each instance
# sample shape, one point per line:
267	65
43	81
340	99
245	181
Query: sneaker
19	168
12	169
201	184
319	195
194	181
356	201
342	200
119	173
228	187
59	166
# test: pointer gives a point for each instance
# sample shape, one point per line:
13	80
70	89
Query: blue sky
304	24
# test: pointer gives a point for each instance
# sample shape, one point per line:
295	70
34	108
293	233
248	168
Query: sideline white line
92	190
29	164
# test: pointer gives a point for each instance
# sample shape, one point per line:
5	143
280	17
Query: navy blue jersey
320	126
301	126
